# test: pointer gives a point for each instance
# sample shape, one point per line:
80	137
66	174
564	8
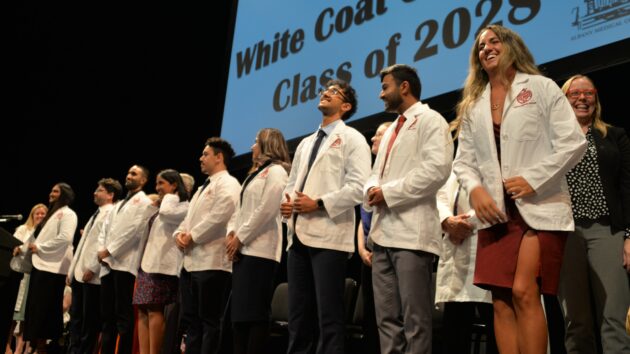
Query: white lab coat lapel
334	135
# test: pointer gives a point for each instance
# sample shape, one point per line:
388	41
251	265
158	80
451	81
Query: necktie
205	184
125	201
320	136
401	120
92	220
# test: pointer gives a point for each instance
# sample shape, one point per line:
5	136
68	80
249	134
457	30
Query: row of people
518	138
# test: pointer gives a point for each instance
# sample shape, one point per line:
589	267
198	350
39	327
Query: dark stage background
96	87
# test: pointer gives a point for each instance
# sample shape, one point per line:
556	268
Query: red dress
498	247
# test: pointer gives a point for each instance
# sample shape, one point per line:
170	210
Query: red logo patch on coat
60	215
135	200
524	96
413	124
264	173
336	143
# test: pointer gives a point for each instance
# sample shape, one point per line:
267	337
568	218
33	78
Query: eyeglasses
333	91
589	93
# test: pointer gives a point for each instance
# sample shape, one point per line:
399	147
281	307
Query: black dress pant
316	291
117	312
85	317
208	295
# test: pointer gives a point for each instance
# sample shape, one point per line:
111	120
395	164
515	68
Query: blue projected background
284	51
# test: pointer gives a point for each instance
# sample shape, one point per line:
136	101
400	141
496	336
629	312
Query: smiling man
413	162
328	172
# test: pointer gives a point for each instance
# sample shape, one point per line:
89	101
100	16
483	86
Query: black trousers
316	289
85	317
207	295
117	312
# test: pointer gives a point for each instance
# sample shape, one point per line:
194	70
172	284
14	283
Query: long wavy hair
514	54
598	122
30	222
272	147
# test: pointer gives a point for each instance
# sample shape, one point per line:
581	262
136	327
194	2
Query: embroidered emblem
60	215
524	96
336	143
264	173
135	200
413	124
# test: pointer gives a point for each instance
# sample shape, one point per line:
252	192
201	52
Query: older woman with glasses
597	252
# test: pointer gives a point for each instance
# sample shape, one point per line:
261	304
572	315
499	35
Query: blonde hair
272	147
30	222
514	54
598	123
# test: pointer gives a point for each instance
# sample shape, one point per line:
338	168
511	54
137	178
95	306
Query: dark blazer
613	158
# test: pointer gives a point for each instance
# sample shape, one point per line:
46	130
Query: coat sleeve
67	225
172	210
436	158
445	198
129	236
268	207
225	197
357	169
566	138
465	165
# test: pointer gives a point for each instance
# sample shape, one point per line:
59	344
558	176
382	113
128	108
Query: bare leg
19	344
530	318
156	329
143	330
505	326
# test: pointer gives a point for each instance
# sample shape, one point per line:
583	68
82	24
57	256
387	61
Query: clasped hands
486	208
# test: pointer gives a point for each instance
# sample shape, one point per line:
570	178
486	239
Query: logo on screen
600	14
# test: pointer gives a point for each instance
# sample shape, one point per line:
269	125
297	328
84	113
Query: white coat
123	234
337	176
456	267
419	163
85	255
540	141
161	254
207	218
54	242
257	223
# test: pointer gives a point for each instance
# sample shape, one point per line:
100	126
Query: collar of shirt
329	129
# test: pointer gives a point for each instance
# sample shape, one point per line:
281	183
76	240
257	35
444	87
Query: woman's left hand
518	187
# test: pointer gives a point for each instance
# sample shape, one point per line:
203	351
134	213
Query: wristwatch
626	235
320	204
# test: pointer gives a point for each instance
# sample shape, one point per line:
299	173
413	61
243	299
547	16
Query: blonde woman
23	233
517	139
594	289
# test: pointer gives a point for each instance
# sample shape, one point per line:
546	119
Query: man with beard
328	172
413	162
119	254
205	281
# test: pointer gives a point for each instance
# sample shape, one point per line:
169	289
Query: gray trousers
594	290
403	299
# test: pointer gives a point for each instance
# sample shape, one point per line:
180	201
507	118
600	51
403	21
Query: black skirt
252	289
44	306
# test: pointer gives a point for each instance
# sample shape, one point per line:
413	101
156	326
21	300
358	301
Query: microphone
17	217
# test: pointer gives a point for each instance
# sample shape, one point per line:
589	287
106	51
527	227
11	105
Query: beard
392	103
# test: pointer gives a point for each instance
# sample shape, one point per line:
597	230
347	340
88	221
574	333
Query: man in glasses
329	170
